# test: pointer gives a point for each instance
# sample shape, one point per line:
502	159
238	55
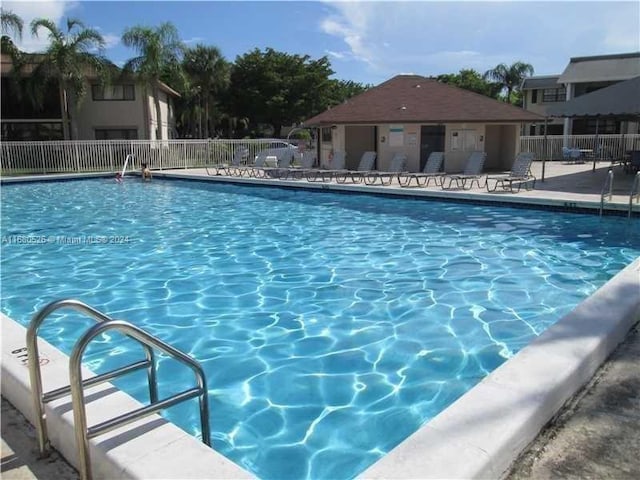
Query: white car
276	148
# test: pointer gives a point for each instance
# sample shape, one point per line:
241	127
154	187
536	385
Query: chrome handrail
635	186
604	193
35	376
83	434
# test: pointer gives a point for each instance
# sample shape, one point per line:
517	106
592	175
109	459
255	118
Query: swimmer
119	178
146	173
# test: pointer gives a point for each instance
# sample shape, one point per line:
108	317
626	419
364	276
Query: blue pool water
330	326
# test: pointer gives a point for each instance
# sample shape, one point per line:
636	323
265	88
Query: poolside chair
396	167
367	162
520	175
338	163
573	155
472	173
283	163
257	170
306	166
240	154
432	171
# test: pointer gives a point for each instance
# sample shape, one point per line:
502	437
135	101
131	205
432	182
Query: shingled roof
416	99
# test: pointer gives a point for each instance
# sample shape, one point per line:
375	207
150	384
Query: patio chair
306	166
432	171
520	175
396	167
284	158
257	170
338	163
367	162
573	155
240	154
472	173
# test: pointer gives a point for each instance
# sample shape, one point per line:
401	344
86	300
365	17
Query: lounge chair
432	170
257	170
283	163
367	162
519	175
396	167
306	166
240	154
472	173
338	163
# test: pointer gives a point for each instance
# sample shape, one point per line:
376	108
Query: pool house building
416	115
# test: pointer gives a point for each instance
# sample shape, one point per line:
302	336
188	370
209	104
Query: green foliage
341	91
470	79
69	58
510	78
11	23
278	88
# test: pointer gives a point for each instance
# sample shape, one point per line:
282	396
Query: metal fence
21	158
607	147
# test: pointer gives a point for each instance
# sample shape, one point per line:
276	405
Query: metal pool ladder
77	384
634	194
606	192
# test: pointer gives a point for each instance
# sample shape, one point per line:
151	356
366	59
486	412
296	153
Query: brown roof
416	99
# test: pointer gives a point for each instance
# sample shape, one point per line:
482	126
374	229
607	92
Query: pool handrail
40	398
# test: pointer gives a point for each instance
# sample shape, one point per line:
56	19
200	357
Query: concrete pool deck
571	354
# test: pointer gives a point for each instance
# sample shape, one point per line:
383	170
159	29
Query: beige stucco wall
167	117
94	115
499	141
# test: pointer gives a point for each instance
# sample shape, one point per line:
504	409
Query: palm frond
11	23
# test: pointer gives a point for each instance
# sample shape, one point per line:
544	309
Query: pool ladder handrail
635	187
77	384
606	193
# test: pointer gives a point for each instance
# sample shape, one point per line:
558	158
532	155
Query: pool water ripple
330	326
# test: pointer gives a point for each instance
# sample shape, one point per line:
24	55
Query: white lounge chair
396	167
432	171
472	173
239	155
338	163
367	162
519	175
306	166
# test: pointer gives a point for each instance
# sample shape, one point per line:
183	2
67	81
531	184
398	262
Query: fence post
44	163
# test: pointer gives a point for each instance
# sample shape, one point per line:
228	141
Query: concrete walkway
597	435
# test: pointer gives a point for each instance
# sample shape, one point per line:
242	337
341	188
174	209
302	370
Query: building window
534	96
116	134
125	91
551	95
326	135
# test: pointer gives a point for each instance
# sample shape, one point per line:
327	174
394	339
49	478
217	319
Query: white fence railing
607	147
109	155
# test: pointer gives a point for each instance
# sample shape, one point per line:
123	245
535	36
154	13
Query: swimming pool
331	326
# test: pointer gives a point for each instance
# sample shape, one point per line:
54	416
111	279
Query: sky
369	42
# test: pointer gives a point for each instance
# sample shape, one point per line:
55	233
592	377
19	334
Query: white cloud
193	40
444	37
28	11
110	40
338	55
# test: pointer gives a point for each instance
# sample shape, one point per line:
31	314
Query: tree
69	59
277	88
510	77
471	80
341	91
11	23
159	52
208	73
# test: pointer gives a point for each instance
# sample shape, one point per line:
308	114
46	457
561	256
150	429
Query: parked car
276	148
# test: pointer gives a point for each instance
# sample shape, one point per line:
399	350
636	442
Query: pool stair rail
126	163
83	433
607	190
634	194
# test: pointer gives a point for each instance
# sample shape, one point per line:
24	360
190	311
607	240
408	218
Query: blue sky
371	41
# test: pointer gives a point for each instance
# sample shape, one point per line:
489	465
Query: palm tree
69	58
209	73
159	51
11	23
509	76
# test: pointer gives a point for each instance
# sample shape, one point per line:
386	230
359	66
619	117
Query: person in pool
146	172
119	177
